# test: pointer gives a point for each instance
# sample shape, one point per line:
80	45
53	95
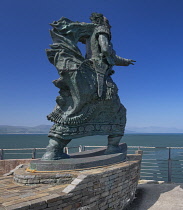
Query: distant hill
44	129
41	129
155	129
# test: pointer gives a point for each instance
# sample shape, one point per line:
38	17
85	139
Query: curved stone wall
106	187
112	187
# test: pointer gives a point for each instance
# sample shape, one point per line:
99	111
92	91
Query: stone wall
109	187
106	188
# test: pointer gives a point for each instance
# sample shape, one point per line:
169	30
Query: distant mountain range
154	129
44	129
40	129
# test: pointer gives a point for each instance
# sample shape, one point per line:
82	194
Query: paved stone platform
108	187
14	196
149	196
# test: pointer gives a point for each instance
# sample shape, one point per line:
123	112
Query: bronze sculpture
88	103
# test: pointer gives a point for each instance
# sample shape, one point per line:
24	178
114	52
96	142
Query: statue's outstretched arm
110	54
119	61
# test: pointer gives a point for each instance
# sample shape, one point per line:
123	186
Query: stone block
89	184
81	186
37	204
102	204
22	181
76	197
68	207
91	200
105	194
56	203
39	207
52	208
69	188
63	181
104	207
33	181
61	206
82	176
114	176
76	181
47	181
20	206
52	198
96	185
65	175
105	174
91	206
114	190
77	205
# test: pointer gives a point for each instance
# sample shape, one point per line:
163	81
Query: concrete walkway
158	197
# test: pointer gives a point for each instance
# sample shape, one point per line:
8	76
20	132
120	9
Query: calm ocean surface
9	141
155	167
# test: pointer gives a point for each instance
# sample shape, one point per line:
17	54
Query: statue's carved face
106	21
99	19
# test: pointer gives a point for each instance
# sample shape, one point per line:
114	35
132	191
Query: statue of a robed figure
88	103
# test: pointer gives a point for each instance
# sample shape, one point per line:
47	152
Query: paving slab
158	197
14	196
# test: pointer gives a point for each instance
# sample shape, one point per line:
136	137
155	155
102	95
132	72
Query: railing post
169	165
66	150
34	153
1	154
139	152
80	148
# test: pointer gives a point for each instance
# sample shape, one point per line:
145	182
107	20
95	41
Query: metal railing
161	163
158	163
32	153
22	152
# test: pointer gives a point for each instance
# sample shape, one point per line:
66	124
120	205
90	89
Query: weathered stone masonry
109	187
106	188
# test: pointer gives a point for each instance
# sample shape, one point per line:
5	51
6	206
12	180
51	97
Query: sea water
16	141
154	164
10	141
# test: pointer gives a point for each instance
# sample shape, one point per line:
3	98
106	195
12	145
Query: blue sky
148	31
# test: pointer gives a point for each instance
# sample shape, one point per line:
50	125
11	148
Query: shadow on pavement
148	194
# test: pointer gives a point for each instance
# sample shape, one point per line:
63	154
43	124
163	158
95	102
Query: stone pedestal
106	187
81	160
61	171
89	179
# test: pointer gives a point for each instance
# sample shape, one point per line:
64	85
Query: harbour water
8	141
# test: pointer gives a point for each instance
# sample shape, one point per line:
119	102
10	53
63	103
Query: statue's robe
88	103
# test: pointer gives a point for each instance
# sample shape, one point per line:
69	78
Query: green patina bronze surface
88	103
